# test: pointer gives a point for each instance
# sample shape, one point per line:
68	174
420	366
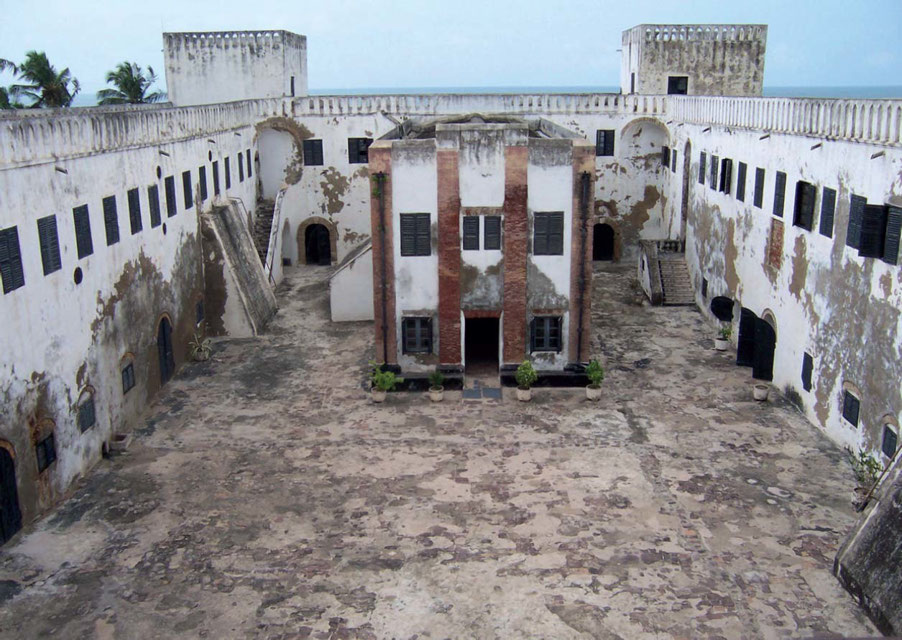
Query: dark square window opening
890	441
604	142
415	234
46	453
665	157
128	377
678	85
850	408
417	335
548	234
313	152
358	150
726	176
545	334
803	210
87	417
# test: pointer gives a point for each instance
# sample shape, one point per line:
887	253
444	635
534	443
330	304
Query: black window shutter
423	244
850	408
202	177
803	211
111	220
492	232
186	189
408	234
609	143
540	234
740	181
665	156
134	210
153	201
828	206
471	233
599	142
673	160
228	172
759	187
890	442
807	366
216	178
779	193
10	260
556	234
50	244
893	231
83	241
171	205
701	167
715	160
240	167
726	176
856	213
873	231
250	165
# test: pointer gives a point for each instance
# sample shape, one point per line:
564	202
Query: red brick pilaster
448	257
516	229
581	254
380	210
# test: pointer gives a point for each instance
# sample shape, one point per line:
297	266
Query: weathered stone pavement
266	497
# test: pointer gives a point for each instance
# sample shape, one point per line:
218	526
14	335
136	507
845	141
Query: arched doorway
317	246
602	242
10	515
756	345
164	350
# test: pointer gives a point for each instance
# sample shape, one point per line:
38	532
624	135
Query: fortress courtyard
265	496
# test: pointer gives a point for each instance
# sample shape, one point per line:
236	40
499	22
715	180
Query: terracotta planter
378	396
721	344
593	393
436	393
761	392
524	395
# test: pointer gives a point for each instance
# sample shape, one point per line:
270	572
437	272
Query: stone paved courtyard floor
266	497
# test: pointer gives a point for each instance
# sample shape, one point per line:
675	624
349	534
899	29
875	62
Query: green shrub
594	373
867	469
526	376
383	380
726	331
436	379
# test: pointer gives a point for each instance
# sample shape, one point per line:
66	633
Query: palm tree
131	86
45	86
4	91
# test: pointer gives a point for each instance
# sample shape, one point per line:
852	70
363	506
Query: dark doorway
10	515
765	344
602	242
481	346
317	247
745	352
164	349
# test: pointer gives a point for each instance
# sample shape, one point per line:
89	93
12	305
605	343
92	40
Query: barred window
545	333
417	335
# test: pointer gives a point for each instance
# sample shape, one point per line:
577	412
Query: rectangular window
828	206
186	190
128	378
548	234
417	335
807	366
83	242
11	260
492	233
216	178
250	164
759	187
873	231
153	200
678	85
673	160
726	176
893	233
171	204
701	167
856	213
313	152
704	287
850	408
415	234
111	220
471	233
803	211
134	210
46	452
715	162
87	418
202	179
228	173
240	167
890	442
740	181
545	333
779	193
665	157
50	244
358	150
604	142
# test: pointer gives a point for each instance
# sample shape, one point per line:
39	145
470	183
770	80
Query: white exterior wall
277	156
351	290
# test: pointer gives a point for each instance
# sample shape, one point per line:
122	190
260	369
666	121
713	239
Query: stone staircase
263	226
675	279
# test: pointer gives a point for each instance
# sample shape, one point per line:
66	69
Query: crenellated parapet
675	33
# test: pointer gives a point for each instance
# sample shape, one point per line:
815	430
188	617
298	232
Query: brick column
448	257
380	162
581	238
516	229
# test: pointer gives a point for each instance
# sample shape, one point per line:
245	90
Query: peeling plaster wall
278	153
59	338
846	311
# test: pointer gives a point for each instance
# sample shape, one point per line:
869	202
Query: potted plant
436	390
525	376
200	348
867	471
382	381
761	391
595	374
722	341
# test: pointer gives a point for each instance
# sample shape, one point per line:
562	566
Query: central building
481	257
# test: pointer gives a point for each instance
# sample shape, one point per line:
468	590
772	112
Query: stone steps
675	280
263	216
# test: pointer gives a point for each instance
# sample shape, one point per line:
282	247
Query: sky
461	43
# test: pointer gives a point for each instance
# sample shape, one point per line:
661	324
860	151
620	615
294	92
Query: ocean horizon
869	92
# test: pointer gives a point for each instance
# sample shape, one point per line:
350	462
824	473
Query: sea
887	91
